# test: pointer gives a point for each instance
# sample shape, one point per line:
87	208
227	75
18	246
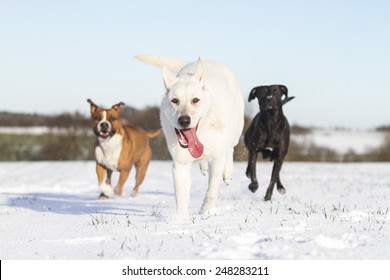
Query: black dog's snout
269	97
104	127
184	121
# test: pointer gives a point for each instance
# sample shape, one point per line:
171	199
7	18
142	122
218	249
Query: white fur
104	120
219	115
108	151
171	63
106	189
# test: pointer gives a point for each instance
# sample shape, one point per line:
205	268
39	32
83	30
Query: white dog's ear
169	77
199	71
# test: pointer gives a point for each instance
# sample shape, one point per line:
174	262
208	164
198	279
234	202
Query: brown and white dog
118	148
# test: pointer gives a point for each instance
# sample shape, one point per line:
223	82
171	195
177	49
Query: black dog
269	133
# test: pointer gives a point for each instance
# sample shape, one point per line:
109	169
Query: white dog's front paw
227	176
204	168
213	211
206	207
227	180
106	190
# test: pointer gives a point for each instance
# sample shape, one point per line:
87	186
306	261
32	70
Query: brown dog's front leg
104	178
124	174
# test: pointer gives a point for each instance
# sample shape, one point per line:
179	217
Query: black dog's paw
267	198
253	187
281	189
248	173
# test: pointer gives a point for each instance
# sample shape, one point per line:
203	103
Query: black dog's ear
252	95
284	90
285	93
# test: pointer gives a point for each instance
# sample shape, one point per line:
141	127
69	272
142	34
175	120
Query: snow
342	141
35	130
49	210
38	130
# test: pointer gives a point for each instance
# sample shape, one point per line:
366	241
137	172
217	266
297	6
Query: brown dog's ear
252	95
93	106
117	107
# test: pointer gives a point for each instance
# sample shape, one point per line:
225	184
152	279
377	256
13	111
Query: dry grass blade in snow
49	210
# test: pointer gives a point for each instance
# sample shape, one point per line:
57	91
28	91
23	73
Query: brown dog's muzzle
103	130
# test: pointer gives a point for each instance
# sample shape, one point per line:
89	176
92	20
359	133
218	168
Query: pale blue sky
334	56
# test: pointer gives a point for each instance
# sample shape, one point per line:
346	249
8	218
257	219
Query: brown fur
135	149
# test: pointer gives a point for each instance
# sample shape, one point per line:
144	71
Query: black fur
269	133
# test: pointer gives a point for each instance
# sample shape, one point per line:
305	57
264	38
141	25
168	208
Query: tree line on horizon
69	137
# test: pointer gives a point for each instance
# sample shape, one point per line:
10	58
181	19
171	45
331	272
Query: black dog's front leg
251	171
275	179
280	187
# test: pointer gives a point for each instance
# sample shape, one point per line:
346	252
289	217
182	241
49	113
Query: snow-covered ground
37	130
49	210
342	141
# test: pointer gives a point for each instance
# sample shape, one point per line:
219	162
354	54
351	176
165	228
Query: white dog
202	116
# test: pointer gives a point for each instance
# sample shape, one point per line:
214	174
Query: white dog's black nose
184	121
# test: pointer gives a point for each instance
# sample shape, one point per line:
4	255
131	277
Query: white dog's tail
175	65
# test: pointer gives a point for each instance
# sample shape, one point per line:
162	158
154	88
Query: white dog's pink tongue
194	146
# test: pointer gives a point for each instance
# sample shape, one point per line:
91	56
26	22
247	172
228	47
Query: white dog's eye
195	100
175	101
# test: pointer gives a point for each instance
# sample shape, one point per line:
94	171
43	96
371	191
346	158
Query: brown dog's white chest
108	151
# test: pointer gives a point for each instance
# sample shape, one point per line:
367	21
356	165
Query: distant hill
147	119
67	136
34	120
